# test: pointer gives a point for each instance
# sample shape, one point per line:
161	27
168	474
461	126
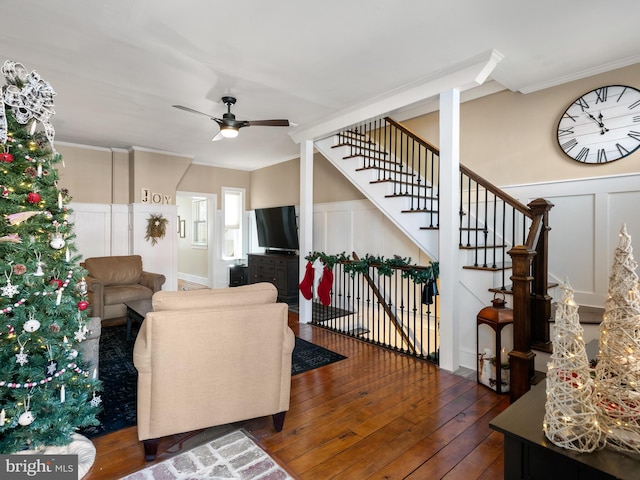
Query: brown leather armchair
112	281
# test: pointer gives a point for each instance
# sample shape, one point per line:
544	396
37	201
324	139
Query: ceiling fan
228	124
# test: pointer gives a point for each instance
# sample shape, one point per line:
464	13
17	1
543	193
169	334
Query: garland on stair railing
386	266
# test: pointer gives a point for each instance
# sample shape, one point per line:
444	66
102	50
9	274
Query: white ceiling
117	66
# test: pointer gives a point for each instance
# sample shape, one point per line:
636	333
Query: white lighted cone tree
617	380
571	419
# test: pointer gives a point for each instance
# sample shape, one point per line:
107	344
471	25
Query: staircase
399	173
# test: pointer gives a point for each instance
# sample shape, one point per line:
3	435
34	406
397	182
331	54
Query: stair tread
419	210
498	266
372	157
405	184
410	195
359	169
362	147
479	247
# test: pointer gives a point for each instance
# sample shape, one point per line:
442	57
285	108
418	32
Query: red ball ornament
6	157
83	305
56	282
33	197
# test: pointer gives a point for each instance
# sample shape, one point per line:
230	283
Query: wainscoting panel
92	226
585	224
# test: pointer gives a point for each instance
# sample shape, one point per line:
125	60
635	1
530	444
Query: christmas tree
571	420
46	393
618	370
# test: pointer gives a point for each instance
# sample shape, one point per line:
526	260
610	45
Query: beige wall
510	138
202	179
280	184
87	173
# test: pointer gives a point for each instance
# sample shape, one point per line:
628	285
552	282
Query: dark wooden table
137	310
528	454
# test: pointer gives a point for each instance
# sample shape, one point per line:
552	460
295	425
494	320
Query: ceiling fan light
228	132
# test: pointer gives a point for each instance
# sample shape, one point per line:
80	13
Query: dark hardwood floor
375	415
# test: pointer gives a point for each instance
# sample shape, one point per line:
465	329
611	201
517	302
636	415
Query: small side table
137	310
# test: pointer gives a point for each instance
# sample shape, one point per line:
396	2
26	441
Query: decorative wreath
156	228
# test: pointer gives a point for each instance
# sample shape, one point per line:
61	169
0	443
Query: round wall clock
602	125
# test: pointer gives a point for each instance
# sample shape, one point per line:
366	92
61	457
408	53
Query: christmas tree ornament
19	217
32	324
63	394
3	416
57	242
21	357
30	98
96	400
39	265
27	417
617	373
6	157
19	269
9	290
82	286
83	305
54	327
571	419
51	366
33	197
56	283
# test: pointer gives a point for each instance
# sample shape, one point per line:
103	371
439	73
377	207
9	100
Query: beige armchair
212	357
112	281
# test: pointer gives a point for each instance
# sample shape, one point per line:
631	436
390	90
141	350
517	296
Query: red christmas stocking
324	289
306	285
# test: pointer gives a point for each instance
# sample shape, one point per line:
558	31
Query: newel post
541	301
521	357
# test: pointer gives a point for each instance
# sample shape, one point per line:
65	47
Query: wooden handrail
413	135
508	199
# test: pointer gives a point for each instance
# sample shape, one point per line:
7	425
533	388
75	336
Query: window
233	209
199	207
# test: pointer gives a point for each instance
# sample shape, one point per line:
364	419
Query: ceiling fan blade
217	137
187	109
267	123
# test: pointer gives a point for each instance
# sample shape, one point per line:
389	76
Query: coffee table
137	310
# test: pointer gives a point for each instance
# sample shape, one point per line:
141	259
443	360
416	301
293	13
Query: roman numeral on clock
581	102
602	156
562	132
582	154
634	135
566	146
601	94
623	151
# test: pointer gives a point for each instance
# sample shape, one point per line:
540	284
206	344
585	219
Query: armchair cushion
217	297
118	270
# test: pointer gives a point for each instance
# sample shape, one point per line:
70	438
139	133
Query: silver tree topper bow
29	98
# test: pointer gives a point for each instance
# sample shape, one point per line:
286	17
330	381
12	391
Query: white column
306	220
449	228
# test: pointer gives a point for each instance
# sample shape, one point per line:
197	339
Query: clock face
602	125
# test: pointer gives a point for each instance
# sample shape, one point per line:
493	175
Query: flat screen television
277	228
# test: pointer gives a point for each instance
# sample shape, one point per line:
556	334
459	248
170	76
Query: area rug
308	356
232	456
119	377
